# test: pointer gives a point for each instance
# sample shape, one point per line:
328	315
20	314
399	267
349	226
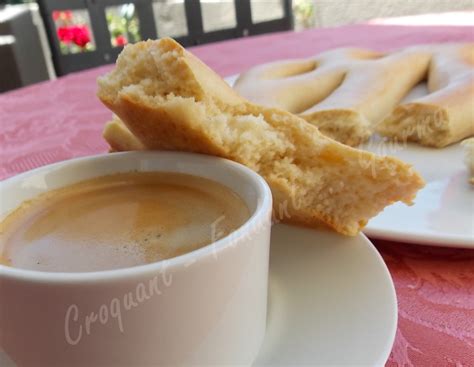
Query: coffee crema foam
118	221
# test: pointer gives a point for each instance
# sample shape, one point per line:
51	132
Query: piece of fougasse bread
119	137
446	115
345	92
469	159
170	100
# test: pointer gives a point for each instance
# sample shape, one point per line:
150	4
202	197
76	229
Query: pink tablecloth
62	119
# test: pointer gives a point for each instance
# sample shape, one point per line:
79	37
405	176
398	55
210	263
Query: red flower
120	40
67	14
65	35
63	15
80	35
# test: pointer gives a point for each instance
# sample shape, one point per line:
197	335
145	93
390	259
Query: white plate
331	301
443	213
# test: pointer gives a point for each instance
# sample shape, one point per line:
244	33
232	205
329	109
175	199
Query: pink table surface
61	119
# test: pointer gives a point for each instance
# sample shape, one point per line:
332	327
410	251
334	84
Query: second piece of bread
446	115
469	160
119	137
344	92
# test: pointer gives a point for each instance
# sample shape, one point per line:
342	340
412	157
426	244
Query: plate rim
371	250
394	324
447	241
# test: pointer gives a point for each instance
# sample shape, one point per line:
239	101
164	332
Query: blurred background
44	39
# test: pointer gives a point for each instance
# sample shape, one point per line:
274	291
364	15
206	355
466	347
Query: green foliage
124	26
303	11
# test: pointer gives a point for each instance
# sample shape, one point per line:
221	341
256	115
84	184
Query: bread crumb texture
170	100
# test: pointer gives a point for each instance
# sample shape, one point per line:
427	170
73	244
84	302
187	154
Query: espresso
119	221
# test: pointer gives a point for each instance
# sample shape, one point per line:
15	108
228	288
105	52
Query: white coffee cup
206	307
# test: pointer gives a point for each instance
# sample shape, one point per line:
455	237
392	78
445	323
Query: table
61	119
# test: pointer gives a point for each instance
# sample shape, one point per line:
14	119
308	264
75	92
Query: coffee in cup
118	221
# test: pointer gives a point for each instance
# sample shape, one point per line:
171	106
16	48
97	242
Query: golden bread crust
180	104
446	115
345	93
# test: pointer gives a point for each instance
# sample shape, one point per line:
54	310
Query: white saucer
331	301
443	213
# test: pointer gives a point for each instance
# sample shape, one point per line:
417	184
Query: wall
337	12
